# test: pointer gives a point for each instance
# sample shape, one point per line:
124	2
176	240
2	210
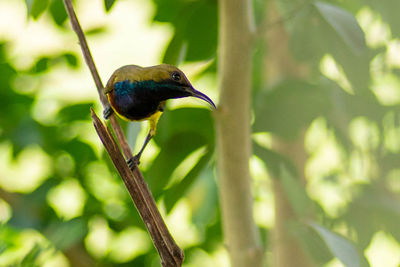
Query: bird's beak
200	95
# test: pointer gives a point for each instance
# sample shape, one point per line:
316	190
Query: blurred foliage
195	38
316	29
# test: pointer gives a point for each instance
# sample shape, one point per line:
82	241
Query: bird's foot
133	162
107	112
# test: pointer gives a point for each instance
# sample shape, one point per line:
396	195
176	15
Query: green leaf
296	193
30	259
57	12
289	107
273	160
180	132
29	4
375	208
344	107
319	29
345	24
200	33
8	238
96	30
259	7
173	152
65	234
80	151
205	191
24	134
176	51
52	138
173	194
196	121
196	28
71	59
42	65
36	7
164	12
77	112
132	132
213	233
310	242
341	247
108	4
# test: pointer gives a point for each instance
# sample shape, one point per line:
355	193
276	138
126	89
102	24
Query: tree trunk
233	133
286	250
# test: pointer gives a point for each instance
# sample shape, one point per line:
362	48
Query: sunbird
139	93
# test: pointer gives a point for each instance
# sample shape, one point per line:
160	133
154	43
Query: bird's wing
129	72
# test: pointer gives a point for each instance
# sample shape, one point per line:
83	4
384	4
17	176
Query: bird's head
174	81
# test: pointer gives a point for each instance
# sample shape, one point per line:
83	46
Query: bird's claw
107	112
133	162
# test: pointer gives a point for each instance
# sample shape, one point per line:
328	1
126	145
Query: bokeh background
325	121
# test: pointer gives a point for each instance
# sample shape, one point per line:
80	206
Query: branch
153	222
170	253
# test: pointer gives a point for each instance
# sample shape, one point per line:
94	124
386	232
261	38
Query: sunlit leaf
173	194
8	238
173	152
206	209
342	248
388	13
374	209
31	259
180	132
36	7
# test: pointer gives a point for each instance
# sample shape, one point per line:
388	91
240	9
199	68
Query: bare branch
170	253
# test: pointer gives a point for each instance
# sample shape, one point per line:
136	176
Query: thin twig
170	253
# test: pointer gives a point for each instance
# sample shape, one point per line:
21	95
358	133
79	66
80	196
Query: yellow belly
153	119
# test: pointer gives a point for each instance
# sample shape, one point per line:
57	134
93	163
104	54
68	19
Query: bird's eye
176	76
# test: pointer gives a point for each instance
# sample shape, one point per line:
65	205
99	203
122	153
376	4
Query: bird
139	93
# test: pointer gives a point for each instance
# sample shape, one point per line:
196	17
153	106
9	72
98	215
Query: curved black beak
202	96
